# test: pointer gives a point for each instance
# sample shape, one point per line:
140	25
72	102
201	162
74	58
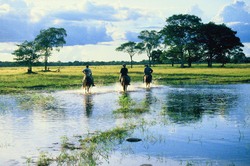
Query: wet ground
186	124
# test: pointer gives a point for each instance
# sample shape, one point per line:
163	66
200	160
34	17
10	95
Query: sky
95	28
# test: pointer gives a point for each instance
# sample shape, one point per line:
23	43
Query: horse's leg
125	88
88	89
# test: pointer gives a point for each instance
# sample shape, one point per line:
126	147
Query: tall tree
26	53
238	56
180	32
156	54
48	39
218	41
171	55
129	47
150	42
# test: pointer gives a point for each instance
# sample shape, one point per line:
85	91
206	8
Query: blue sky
96	27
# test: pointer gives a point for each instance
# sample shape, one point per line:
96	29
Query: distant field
15	79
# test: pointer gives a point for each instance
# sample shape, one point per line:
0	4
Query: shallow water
197	124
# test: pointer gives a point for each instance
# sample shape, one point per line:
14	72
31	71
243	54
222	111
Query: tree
181	31
27	54
171	55
156	54
218	41
129	47
150	41
48	39
238	56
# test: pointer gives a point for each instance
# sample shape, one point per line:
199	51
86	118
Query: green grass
15	79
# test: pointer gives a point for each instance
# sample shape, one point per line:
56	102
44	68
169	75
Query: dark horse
147	79
86	83
124	82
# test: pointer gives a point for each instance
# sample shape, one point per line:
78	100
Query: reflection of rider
148	71
124	72
88	105
88	73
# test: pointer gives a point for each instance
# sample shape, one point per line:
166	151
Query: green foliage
150	42
43	159
14	80
93	148
129	47
180	33
39	101
129	107
50	38
27	54
218	41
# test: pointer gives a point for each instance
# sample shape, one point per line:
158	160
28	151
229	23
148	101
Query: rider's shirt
148	71
87	72
124	71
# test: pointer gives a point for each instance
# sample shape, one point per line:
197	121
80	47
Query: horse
147	79
86	83
124	82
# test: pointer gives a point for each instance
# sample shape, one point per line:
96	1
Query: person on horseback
148	72
88	74
124	73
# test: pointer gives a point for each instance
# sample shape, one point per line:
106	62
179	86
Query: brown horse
147	79
124	82
86	84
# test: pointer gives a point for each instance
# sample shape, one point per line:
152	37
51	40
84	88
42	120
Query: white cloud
96	27
90	52
246	49
235	12
236	16
5	51
4	8
195	10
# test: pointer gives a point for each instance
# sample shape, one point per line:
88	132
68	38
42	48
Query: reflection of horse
88	104
124	82
147	79
86	83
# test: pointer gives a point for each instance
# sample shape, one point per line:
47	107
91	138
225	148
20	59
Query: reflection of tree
189	107
88	104
183	108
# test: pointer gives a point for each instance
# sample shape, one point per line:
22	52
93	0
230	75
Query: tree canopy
150	40
48	39
218	41
129	47
180	33
27	53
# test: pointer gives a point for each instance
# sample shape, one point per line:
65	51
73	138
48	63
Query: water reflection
203	122
189	106
148	98
88	104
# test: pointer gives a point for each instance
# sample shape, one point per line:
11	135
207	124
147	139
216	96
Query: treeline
75	63
186	40
99	63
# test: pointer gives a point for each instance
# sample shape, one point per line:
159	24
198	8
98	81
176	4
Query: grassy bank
17	80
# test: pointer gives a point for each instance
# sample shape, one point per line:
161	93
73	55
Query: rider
148	71
124	72
88	73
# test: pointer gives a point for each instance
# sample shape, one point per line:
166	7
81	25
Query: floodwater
186	124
